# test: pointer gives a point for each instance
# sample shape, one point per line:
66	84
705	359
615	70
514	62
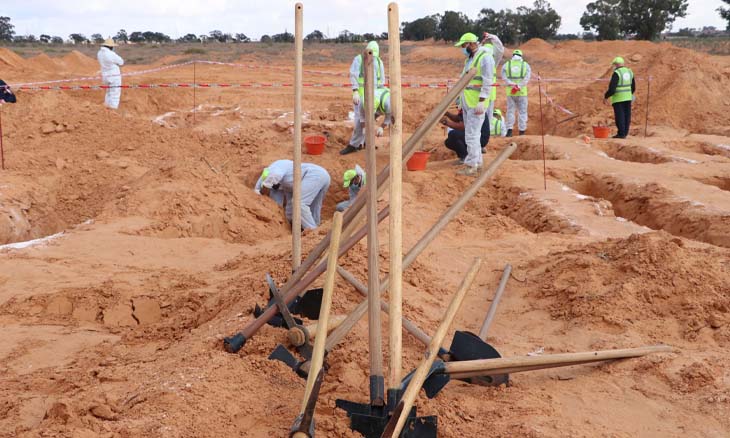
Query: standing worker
516	73
357	81
278	179
475	99
495	46
621	91
353	180
111	76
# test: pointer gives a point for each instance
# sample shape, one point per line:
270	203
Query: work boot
522	132
468	171
509	133
619	136
458	162
349	149
484	150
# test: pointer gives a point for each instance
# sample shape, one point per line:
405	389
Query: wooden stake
377	385
296	220
542	132
395	330
2	149
495	301
329	284
395	425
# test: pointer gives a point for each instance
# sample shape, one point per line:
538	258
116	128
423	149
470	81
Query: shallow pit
633	153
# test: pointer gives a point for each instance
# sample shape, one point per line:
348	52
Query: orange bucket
418	161
601	131
315	144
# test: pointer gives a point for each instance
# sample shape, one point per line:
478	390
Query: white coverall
516	102
472	121
315	183
497	48
358	133
111	75
353	190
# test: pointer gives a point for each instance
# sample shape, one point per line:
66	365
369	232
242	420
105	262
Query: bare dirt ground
113	327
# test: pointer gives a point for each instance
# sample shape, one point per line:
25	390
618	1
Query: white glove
356	98
379	132
479	110
258	192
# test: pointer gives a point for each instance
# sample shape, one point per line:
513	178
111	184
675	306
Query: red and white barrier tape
209	85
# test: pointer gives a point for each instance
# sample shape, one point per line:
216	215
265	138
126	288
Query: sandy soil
113	326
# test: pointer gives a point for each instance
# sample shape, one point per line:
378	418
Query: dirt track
114	327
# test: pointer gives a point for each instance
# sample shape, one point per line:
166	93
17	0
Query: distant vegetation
602	20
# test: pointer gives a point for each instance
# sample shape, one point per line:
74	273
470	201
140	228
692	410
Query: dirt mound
436	53
11	59
535	45
78	62
648	279
43	62
186	201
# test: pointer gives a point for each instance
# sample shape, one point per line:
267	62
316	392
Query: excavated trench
655	207
633	153
701	147
721	182
530	151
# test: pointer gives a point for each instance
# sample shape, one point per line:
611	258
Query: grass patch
195	51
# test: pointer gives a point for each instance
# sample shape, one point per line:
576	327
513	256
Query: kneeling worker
354	180
278	179
497	127
456	138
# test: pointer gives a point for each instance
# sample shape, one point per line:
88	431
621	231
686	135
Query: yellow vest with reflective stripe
496	127
361	79
516	71
623	89
472	90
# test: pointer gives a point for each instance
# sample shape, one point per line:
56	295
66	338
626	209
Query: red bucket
418	161
315	144
601	131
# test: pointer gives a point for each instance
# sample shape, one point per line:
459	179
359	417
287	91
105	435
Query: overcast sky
256	17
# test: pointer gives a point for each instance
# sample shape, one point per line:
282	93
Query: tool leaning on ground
304	424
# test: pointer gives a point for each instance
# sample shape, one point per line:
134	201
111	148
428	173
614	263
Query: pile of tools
470	357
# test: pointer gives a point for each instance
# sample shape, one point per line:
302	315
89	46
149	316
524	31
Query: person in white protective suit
278	178
357	81
353	180
474	100
496	48
516	74
111	76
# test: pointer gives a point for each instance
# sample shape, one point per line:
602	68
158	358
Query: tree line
602	20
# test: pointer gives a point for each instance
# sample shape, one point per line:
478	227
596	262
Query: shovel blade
281	354
370	422
468	346
309	304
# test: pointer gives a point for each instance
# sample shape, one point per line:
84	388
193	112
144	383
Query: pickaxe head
370	421
306	306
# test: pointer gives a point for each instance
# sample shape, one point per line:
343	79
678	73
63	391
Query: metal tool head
370	421
306	306
468	346
304	423
281	354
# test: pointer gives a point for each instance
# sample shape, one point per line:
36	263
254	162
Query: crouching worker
278	179
497	127
354	180
456	138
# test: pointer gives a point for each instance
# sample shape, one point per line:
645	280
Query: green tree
647	19
7	30
285	37
56	40
122	36
725	13
421	29
242	38
44	38
97	38
265	39
78	38
189	38
315	36
540	22
453	25
603	17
